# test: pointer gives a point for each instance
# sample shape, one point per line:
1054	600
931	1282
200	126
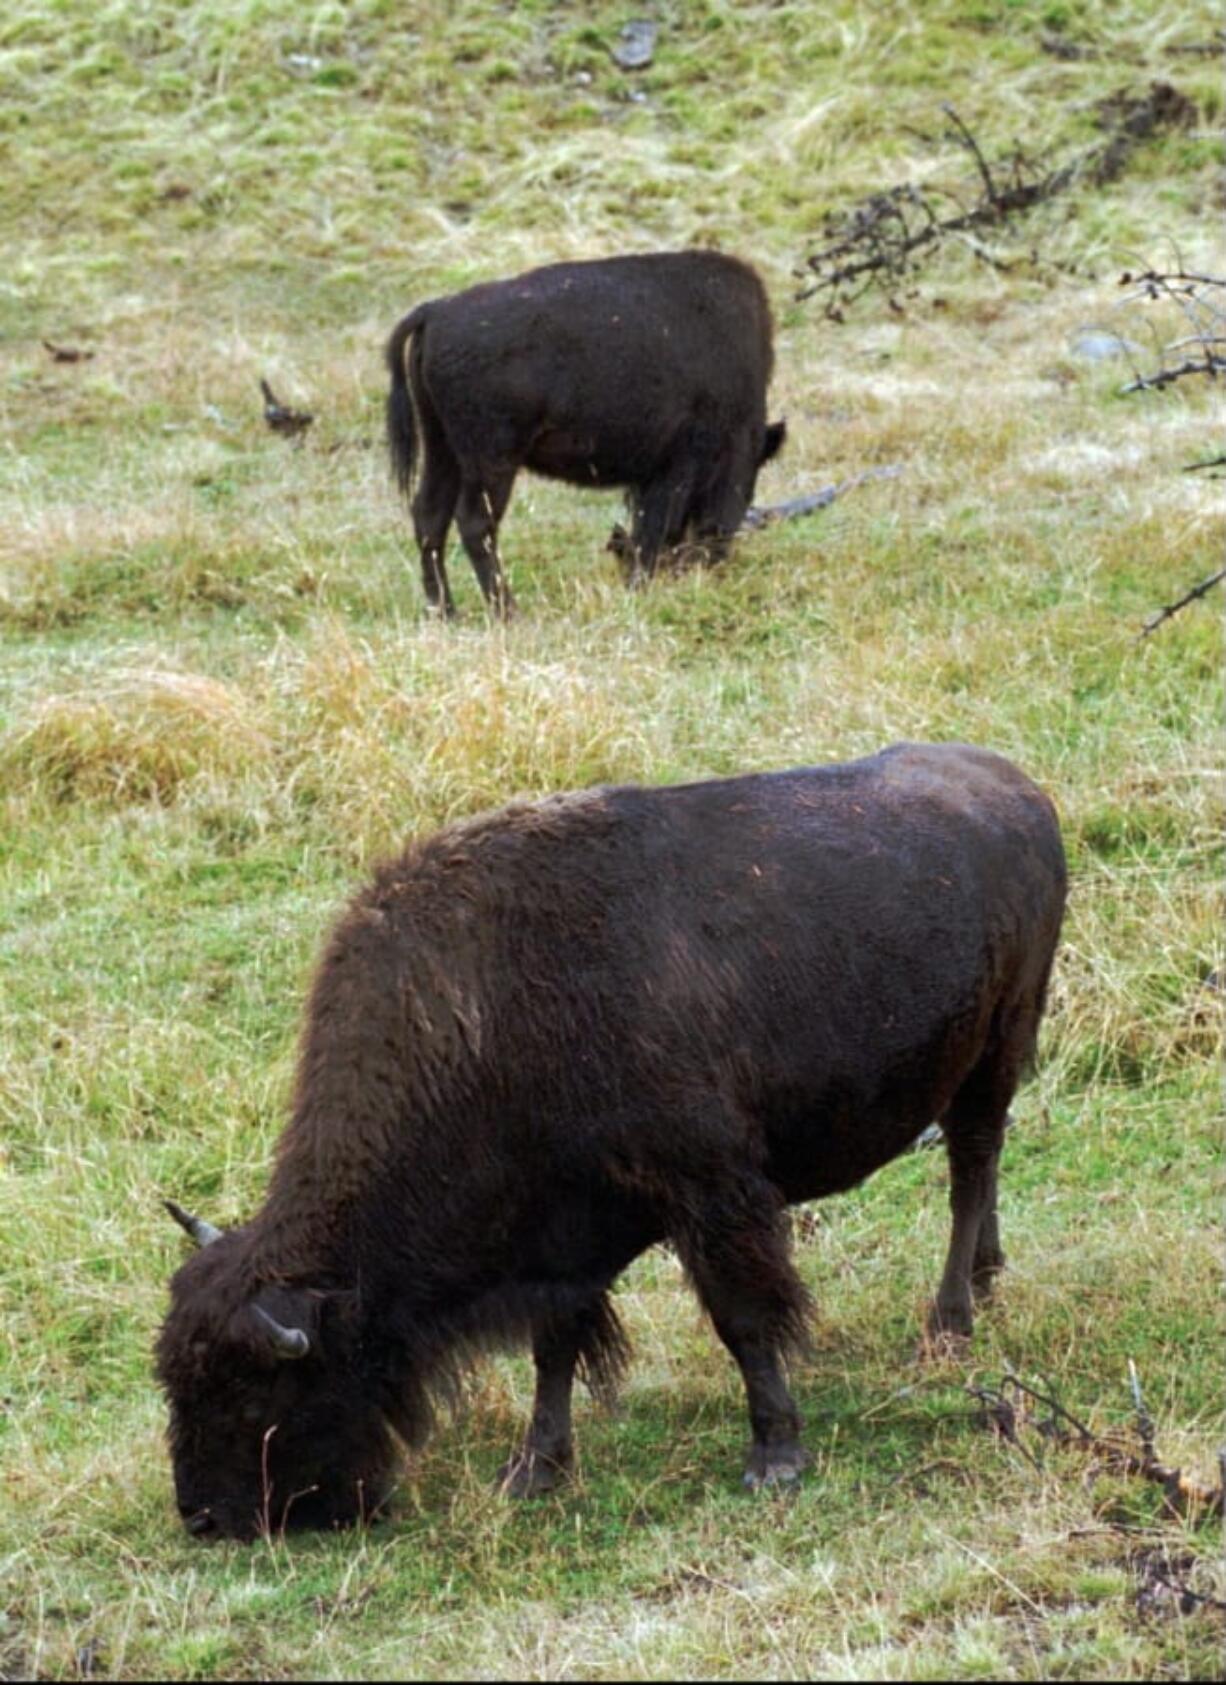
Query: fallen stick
814	500
885	238
1182	1493
1206	585
1209	364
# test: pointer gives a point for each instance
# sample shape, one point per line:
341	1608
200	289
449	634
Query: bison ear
772	440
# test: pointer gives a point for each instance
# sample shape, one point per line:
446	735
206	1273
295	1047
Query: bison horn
204	1234
289	1342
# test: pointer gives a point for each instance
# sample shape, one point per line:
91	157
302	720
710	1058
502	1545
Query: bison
544	1040
647	372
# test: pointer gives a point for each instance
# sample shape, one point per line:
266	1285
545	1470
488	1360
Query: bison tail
401	428
604	1352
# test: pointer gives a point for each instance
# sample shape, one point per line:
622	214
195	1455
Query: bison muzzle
647	372
544	1040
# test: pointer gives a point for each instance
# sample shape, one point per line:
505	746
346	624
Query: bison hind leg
974	1126
481	506
590	1340
433	506
735	1250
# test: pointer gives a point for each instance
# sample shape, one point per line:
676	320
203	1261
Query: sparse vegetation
220	700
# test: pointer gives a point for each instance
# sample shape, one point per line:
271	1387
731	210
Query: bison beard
647	372
542	1041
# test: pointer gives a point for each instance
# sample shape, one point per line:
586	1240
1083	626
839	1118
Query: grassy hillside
221	700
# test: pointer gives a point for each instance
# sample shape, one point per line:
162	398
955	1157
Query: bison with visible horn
543	1040
647	372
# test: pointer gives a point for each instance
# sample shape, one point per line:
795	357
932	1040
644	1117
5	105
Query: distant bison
542	1041
647	372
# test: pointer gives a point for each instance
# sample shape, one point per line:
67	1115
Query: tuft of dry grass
132	735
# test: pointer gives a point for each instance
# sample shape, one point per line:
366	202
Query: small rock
636	45
1098	345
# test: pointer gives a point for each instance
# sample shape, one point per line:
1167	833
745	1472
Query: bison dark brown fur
542	1041
647	372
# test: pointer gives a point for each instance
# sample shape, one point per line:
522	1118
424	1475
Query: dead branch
885	238
1182	1494
814	500
1196	467
1205	586
1202	49
1201	300
1001	1417
1208	364
972	145
1164	1588
66	353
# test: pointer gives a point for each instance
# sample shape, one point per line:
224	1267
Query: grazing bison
543	1040
647	372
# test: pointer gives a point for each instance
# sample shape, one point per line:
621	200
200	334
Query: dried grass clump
135	735
392	740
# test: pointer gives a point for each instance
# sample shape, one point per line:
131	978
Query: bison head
270	1425
772	440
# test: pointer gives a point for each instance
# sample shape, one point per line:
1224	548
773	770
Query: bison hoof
942	1345
531	1474
774	1466
983	1276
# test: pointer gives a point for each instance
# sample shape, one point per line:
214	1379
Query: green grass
220	702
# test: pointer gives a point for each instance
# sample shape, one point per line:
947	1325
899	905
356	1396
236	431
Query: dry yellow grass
132	735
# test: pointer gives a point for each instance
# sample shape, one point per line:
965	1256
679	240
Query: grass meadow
221	700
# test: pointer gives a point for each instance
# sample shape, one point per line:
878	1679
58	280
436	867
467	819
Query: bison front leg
591	1339
547	1455
719	508
657	523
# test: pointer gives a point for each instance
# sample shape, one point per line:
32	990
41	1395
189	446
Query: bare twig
1201	300
1209	364
1201	49
1160	280
1145	1422
1188	1599
1164	1585
1001	1416
883	240
1200	590
1059	1413
1182	1493
972	146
